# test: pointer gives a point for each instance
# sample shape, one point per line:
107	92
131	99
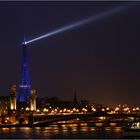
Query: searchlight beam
80	23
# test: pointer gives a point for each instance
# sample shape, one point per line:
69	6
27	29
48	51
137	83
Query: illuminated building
4	105
24	89
13	93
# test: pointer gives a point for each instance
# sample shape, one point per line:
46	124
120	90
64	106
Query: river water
69	131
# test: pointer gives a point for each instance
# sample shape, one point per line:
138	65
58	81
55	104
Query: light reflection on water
5	130
61	132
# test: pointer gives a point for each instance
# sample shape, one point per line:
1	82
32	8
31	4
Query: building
4	105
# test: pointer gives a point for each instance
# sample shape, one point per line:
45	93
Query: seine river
69	131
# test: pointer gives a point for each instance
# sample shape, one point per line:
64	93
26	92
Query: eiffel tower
24	88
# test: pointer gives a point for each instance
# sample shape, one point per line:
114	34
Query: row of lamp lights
85	110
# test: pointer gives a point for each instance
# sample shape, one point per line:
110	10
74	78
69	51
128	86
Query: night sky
100	60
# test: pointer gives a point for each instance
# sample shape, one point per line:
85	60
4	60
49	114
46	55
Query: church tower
75	101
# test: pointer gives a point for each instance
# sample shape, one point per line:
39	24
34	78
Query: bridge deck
42	119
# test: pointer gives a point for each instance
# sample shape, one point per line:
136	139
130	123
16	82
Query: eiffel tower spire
24	85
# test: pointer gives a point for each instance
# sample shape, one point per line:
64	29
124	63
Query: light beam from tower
80	23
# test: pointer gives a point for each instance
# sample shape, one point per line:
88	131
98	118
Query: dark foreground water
71	131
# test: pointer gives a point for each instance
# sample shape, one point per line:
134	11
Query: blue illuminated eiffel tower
24	85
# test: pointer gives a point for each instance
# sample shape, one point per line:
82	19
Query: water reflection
84	129
5	130
118	129
92	129
64	131
108	129
74	129
13	130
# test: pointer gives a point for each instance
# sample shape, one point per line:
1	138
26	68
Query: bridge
38	120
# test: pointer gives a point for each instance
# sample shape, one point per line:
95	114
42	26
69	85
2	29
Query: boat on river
132	130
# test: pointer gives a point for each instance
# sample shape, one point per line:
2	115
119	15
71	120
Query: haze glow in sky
100	60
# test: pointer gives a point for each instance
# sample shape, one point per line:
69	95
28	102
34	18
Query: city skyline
99	60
